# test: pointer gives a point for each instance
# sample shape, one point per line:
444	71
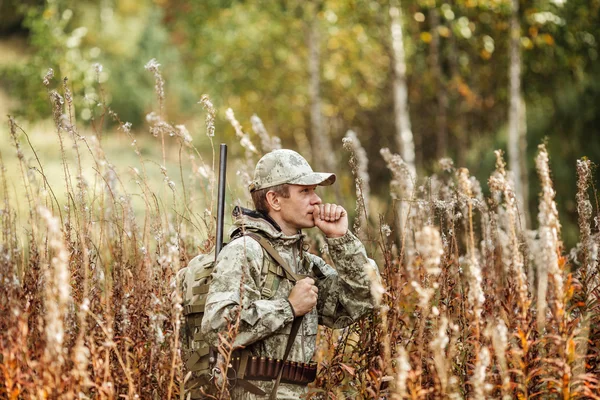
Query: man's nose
315	199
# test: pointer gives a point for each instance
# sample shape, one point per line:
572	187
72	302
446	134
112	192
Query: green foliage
73	37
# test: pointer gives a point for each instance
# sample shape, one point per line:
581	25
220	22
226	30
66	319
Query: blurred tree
561	80
517	128
404	135
439	82
323	156
70	37
12	19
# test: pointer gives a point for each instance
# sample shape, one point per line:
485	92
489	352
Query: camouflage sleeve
236	282
345	292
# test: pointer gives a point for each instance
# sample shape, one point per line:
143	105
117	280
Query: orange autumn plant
472	304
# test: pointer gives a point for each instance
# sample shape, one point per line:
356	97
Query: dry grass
471	306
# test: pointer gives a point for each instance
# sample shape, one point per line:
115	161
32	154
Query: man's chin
310	224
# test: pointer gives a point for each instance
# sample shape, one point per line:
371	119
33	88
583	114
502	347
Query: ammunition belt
266	369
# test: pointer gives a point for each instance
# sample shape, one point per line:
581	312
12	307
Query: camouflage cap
286	166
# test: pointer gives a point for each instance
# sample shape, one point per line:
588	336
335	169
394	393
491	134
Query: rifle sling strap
250	387
292	276
293	333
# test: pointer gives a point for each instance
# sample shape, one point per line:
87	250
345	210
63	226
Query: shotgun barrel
221	199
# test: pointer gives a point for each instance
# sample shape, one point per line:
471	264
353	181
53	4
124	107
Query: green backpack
199	357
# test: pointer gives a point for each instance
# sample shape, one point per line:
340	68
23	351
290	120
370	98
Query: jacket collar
251	220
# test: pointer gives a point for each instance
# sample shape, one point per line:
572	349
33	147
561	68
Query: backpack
198	356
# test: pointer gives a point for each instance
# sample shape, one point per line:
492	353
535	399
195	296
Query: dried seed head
154	67
152	118
57	290
507	220
210	116
549	233
48	77
242	136
386	230
446	164
584	206
480	389
438	348
98	70
359	166
57	106
429	245
377	289
183	133
499	333
403	369
476	295
402	183
465	185
267	142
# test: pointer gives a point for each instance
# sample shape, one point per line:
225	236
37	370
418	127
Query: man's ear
273	201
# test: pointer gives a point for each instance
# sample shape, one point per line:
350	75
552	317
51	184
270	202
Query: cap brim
314	178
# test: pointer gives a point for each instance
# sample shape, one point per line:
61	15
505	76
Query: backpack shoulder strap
291	275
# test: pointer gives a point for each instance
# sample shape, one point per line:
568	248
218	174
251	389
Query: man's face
297	210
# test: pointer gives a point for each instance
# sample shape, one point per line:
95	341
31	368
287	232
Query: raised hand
331	219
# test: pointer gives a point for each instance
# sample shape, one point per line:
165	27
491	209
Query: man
283	191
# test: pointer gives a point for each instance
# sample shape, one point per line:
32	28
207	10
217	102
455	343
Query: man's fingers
303	296
308	280
328	212
316	212
339	211
308	286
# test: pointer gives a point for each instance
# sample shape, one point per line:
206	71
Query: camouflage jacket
344	293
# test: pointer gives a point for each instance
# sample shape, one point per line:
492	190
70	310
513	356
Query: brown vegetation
471	306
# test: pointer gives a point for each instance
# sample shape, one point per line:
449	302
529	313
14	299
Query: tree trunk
322	156
442	97
404	135
523	162
517	142
460	113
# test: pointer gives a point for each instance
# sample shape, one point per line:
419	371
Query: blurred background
429	79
